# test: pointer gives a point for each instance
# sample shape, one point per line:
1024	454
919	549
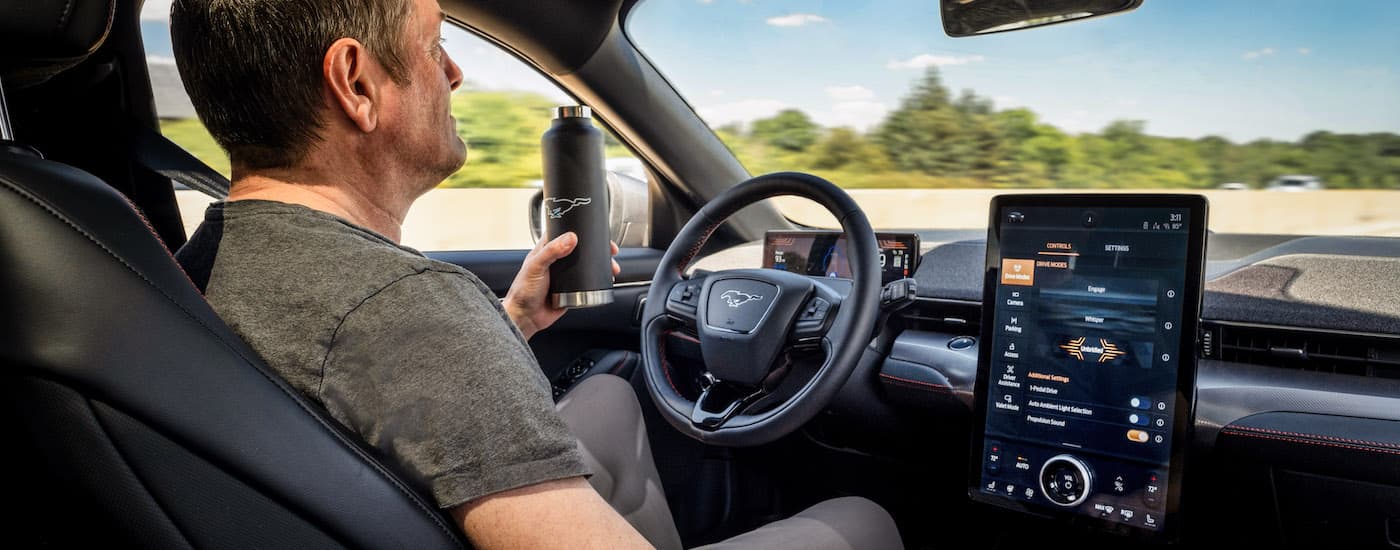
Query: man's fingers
617	269
614	247
561	246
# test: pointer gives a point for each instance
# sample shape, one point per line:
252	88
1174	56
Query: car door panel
605	327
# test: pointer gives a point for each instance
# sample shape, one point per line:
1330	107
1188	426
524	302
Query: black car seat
137	418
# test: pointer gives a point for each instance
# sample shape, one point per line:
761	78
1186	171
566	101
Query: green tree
925	132
790	129
841	147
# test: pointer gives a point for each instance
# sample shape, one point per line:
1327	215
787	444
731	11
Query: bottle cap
573	111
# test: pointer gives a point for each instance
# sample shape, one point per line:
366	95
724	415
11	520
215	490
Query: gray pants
603	413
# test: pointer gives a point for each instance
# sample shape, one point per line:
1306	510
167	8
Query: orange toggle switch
1137	436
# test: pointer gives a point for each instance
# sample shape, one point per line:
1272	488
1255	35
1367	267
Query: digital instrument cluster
1087	369
823	254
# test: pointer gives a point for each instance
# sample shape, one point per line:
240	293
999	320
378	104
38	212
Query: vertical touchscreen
1084	379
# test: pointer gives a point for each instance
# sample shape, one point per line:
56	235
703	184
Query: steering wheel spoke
683	300
720	402
819	312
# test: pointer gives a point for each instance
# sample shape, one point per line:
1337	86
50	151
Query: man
336	117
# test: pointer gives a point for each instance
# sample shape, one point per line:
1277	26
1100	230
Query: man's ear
354	83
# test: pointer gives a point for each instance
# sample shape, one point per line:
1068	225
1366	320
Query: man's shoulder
258	259
312	246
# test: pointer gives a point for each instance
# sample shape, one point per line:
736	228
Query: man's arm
527	301
564	513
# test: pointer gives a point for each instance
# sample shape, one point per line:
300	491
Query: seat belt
160	155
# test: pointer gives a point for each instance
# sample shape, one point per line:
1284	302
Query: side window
502	109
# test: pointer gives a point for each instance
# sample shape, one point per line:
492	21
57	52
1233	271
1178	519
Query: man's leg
603	413
847	523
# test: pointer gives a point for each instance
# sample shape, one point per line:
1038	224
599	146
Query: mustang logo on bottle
559	207
735	298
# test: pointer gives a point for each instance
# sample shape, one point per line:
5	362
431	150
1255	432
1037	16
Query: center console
1085	384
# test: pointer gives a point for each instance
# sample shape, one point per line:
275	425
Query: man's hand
527	301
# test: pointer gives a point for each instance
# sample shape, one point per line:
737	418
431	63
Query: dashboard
1296	428
823	253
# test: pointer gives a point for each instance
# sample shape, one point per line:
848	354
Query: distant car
1234	186
1295	183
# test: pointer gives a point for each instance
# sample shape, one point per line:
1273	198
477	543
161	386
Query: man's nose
454	73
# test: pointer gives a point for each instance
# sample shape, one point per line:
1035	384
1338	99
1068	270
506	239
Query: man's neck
381	214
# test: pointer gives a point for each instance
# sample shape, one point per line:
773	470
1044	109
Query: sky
1242	69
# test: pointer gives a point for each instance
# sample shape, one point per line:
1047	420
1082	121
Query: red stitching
666	365
152	229
684	336
1233	431
1319	436
932	386
695	249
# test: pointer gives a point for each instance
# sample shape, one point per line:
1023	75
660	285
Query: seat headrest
41	38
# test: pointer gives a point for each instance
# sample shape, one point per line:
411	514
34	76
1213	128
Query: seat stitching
336	435
126	461
152	229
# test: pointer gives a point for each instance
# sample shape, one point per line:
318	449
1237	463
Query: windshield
1220	97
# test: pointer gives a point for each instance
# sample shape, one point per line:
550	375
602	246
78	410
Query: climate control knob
1066	480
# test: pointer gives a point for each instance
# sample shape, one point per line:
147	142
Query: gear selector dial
1065	480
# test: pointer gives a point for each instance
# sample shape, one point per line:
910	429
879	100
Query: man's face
423	130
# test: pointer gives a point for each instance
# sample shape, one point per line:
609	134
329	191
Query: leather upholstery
40	38
144	409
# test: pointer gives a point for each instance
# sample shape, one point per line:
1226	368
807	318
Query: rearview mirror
974	17
629	211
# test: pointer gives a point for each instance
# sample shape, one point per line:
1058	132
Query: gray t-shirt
414	354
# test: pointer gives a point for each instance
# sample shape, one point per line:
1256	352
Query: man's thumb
561	246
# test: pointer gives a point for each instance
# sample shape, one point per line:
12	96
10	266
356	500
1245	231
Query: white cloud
925	60
741	111
795	20
861	115
849	93
1128	102
1304	51
1255	54
156	10
716	93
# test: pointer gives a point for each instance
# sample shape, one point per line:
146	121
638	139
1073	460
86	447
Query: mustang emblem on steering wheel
737	298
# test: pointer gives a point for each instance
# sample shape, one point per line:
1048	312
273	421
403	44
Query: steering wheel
749	321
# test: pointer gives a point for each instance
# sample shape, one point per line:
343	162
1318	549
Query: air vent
938	315
1302	349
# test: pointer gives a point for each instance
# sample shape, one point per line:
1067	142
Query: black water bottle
576	199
